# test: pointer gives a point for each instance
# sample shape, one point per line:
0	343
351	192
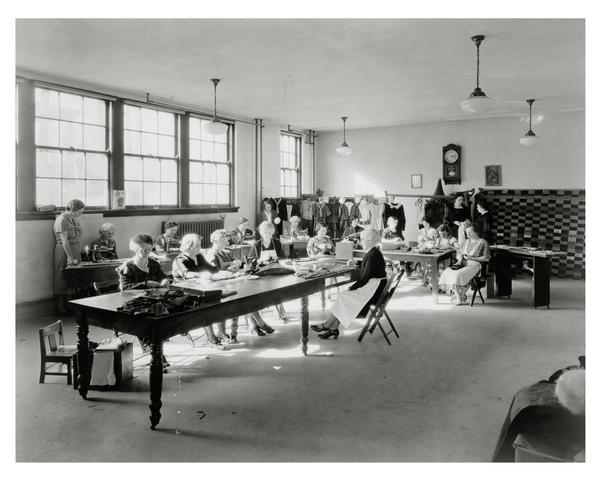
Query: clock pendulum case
451	159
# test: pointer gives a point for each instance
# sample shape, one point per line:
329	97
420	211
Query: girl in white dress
471	253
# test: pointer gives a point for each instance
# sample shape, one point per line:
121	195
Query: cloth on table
103	368
161	301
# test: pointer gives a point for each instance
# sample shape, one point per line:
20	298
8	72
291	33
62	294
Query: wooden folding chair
378	310
59	353
478	282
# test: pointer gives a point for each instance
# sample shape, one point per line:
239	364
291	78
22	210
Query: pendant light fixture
529	138
478	101
214	127
344	149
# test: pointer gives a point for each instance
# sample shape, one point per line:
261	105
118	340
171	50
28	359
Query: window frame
107	142
298	170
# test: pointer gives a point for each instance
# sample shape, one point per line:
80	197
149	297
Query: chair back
392	284
49	333
107	286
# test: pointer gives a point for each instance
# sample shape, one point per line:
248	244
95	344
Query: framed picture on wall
493	175
416	180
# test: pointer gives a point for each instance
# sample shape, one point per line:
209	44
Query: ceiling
308	73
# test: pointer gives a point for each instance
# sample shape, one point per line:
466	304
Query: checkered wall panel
548	219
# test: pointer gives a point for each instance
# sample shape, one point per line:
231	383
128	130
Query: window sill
132	212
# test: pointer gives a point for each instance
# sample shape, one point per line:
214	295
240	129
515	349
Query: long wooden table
433	259
540	291
252	295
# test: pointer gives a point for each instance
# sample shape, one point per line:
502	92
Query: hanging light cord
530	102
477	43
215	83
344	119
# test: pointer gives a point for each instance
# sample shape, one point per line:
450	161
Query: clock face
450	156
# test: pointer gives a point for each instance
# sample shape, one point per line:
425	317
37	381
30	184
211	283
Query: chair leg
69	372
391	324
480	295
42	372
384	334
366	327
473	297
323	301
375	323
75	372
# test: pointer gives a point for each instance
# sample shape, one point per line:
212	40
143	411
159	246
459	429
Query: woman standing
473	251
456	216
68	235
268	214
484	220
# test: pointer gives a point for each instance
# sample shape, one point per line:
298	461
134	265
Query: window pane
46	103
149	144
220	152
281	178
151	193
195	128
133	168
282	190
47	192
94	111
210	194
196	194
96	166
166	146
223	174
96	193
94	138
48	163
73	165
132	117
287	178
46	132
133	193
73	189
222	194
168	193
196	172
208	151
281	160
195	150
168	171
293	192
151	170
220	138
132	142
166	123
149	120
293	143
71	107
210	173
71	135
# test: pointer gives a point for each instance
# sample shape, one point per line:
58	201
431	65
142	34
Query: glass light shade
344	149
215	128
478	102
529	139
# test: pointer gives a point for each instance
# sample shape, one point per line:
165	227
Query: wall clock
451	160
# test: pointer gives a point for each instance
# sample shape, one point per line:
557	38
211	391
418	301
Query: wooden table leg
156	377
304	318
434	280
83	352
541	282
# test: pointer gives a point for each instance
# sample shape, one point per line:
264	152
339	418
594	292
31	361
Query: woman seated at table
427	235
352	231
266	250
141	270
190	263
293	230
354	302
168	240
67	251
243	233
472	252
320	244
390	233
104	247
445	239
222	259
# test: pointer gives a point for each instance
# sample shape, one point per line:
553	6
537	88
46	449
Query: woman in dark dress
141	270
484	221
456	216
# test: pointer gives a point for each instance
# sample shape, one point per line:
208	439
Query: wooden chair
378	310
58	353
478	282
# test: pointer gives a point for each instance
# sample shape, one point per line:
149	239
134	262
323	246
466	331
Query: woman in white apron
472	252
355	301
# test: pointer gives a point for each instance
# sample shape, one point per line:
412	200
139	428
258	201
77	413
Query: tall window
71	138
290	165
210	165
150	157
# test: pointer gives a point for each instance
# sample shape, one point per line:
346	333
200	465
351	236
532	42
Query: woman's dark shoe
258	331
330	333
319	328
268	328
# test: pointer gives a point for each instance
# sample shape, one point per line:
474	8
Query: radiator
202	227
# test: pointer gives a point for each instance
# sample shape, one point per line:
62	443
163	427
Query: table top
526	251
109	263
410	255
292	241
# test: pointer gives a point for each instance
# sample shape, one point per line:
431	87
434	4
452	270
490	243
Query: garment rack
414	195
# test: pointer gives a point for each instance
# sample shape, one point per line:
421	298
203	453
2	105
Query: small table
252	295
541	271
432	259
